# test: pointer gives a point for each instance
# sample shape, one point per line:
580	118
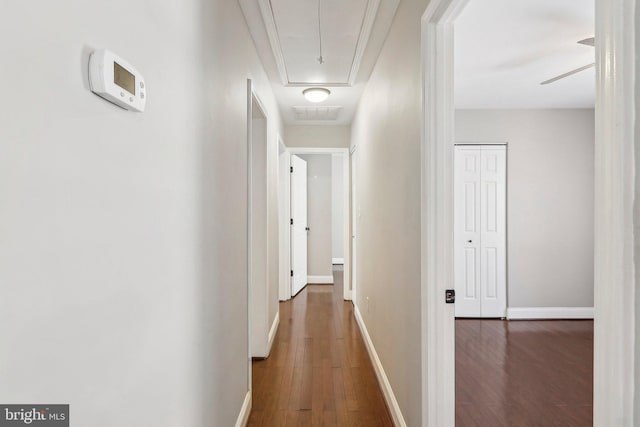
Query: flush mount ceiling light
316	94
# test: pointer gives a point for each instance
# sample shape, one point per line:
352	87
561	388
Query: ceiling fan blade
591	41
570	73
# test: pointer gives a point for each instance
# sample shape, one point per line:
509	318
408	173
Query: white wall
317	136
337	207
386	131
123	249
318	214
550	190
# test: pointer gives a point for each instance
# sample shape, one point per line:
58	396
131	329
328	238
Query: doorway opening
261	332
615	121
534	210
322	217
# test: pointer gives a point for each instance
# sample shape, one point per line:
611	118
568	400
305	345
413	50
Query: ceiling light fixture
316	94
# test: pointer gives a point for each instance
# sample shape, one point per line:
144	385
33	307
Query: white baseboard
337	260
515	313
272	332
387	391
319	279
243	417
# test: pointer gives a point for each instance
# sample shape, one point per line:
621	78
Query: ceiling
298	38
287	39
505	48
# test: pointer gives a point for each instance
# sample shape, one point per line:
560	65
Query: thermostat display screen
117	81
124	79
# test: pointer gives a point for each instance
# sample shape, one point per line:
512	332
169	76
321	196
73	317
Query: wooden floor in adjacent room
319	372
524	373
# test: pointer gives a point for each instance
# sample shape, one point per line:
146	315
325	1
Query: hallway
319	372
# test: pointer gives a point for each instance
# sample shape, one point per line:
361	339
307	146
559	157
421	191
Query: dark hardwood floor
508	374
319	372
524	373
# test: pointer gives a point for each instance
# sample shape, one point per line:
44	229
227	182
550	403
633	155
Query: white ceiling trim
274	40
345	94
365	33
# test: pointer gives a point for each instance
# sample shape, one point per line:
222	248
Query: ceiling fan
589	42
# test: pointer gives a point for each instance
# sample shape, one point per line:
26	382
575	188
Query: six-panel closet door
480	230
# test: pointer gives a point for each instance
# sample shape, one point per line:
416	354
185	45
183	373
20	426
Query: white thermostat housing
117	81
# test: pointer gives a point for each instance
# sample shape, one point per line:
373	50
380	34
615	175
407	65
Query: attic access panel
297	27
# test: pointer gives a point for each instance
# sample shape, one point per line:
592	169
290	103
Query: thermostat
116	80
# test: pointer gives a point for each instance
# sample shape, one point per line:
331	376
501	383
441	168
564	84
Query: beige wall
550	195
386	131
223	206
317	136
123	249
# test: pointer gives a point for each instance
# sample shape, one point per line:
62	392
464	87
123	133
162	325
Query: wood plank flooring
524	373
508	374
319	372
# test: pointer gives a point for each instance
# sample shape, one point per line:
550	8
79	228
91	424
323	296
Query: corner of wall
387	390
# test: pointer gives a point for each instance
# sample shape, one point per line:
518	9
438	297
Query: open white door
284	215
480	230
298	224
354	220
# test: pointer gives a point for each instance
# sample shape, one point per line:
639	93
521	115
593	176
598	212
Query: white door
298	224
466	232
480	230
493	224
354	220
284	215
